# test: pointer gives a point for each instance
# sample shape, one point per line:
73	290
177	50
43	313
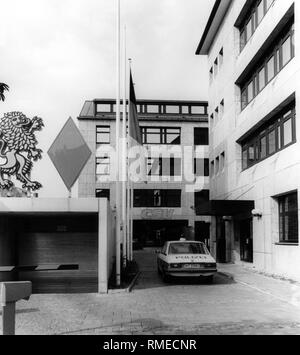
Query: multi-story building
165	207
252	50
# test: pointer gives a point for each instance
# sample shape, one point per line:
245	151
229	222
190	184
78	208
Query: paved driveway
225	307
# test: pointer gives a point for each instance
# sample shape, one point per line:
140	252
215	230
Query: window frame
109	135
289	213
289	31
275	124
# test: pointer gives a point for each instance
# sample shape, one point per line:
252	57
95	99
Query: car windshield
187	249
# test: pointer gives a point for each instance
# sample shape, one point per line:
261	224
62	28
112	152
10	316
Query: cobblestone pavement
226	307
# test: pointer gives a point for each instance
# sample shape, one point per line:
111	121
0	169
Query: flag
137	153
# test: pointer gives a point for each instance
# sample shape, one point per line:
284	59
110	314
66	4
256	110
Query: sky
55	54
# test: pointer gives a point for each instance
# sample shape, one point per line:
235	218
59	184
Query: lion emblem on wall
18	149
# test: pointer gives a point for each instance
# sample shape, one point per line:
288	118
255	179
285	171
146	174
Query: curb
127	289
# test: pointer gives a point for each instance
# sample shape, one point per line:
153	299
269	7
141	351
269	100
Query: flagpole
124	158
129	236
118	104
130	197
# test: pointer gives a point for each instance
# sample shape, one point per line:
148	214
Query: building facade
165	207
252	48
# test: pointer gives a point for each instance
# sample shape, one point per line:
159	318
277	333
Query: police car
186	259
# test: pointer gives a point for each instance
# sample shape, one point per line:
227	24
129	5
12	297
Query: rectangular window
152	109
212	169
217	166
159	135
288	218
201	167
287	132
270	65
261	79
103	108
172	109
273	136
201	197
198	110
102	167
252	20
104	193
287	51
222	162
157	198
271	68
102	135
201	136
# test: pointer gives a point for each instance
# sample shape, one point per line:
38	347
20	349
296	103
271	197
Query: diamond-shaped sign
69	153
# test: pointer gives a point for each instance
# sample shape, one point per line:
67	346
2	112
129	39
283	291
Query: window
221	108
157	198
222	162
201	197
201	136
103	108
216	67
152	109
252	20
288	218
274	60
185	110
217	166
211	74
102	135
221	57
212	168
198	110
105	193
172	109
201	167
277	134
169	167
102	167
159	135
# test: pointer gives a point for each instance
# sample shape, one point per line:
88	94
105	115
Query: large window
277	134
288	218
201	167
102	135
271	64
157	198
164	167
253	19
201	136
201	197
102	167
160	135
103	193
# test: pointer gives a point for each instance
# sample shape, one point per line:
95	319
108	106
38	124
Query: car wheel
165	278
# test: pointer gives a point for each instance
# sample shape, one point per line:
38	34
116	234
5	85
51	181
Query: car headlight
211	265
175	266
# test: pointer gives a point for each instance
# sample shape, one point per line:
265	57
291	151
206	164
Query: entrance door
202	233
246	239
221	241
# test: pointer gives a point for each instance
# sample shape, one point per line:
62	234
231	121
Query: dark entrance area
221	241
202	233
156	233
246	240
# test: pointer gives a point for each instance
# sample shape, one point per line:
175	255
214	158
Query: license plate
191	266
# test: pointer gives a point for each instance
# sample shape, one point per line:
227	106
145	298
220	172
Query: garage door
59	247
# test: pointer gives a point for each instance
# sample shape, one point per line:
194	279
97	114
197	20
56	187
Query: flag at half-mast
137	151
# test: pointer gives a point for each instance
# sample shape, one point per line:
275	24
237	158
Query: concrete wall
276	175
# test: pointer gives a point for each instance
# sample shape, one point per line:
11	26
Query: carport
61	245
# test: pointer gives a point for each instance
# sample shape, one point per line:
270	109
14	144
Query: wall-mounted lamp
257	214
227	219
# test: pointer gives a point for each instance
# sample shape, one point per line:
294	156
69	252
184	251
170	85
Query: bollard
12	292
